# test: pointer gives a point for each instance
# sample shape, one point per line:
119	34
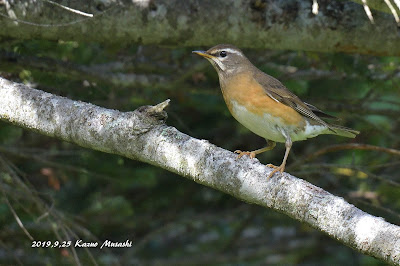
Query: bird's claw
280	168
240	153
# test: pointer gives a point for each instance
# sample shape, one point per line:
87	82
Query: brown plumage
264	105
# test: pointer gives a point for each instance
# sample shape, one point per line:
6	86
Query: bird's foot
280	168
240	153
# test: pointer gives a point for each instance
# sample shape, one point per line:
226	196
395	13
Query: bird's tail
343	131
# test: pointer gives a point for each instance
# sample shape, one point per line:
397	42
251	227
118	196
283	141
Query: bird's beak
204	54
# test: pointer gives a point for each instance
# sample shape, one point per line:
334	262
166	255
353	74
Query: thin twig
51	213
64	166
70	9
347	146
54	25
353	146
368	11
354	171
10	251
21	225
393	10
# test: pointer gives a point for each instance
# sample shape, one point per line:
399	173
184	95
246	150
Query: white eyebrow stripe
229	50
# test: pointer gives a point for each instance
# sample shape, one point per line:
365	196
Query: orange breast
247	92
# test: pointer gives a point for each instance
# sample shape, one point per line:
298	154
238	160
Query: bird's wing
277	91
320	113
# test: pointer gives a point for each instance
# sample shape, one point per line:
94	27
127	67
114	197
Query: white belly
270	127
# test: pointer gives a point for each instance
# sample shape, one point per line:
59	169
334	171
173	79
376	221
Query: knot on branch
155	111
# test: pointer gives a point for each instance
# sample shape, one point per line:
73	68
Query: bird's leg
281	168
252	154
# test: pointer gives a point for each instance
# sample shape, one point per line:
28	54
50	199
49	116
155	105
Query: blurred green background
76	193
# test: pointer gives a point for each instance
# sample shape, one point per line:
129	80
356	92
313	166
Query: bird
265	106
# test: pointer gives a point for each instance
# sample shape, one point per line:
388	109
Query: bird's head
226	59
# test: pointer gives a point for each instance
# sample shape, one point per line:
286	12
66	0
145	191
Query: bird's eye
222	54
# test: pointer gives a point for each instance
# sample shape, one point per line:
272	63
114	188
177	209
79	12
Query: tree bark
143	135
339	26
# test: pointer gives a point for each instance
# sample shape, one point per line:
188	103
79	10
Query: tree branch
142	135
339	26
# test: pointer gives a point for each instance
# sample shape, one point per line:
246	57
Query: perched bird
264	105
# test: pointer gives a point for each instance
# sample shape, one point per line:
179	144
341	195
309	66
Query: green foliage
168	218
9	134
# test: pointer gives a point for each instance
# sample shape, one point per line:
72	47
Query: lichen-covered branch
339	26
143	135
